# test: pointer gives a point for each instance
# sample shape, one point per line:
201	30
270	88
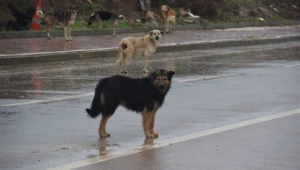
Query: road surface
228	108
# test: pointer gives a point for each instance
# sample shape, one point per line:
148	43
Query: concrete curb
112	52
87	32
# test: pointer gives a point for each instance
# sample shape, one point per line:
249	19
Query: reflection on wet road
42	119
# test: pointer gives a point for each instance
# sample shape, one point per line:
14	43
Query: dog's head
161	79
164	8
156	34
72	11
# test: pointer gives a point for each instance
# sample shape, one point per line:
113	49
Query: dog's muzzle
157	37
161	86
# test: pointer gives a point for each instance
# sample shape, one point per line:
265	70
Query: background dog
169	17
130	46
142	95
101	16
64	17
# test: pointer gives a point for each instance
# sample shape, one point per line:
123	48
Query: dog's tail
121	17
40	13
96	107
122	47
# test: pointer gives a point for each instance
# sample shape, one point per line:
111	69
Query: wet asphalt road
43	124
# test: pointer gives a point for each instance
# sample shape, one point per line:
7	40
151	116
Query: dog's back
104	16
61	16
142	95
135	94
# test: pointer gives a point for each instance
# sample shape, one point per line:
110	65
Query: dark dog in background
101	16
142	95
23	19
58	15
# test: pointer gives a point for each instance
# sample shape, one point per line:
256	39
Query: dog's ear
171	74
150	33
152	76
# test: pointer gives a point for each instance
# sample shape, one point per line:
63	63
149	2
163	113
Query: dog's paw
104	135
155	134
124	72
150	135
145	71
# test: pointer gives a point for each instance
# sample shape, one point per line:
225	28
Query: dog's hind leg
49	27
102	130
124	65
147	117
120	54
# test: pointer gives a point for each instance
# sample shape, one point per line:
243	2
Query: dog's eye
157	78
165	78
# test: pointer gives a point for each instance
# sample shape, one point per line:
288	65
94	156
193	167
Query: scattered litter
145	4
294	6
275	9
187	20
261	19
184	13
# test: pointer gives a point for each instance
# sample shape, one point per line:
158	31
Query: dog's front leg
145	59
147	117
151	129
66	30
114	25
69	33
167	29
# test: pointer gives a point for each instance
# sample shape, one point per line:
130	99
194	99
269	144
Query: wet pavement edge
112	52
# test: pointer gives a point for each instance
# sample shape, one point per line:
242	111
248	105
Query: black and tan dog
57	15
101	16
142	95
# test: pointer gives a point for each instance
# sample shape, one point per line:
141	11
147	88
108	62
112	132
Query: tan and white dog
169	17
145	46
57	15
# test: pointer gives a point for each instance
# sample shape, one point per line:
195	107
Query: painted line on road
291	66
207	78
91	94
47	100
200	134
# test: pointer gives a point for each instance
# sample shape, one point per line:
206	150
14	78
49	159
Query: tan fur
66	18
169	17
102	130
148	119
145	46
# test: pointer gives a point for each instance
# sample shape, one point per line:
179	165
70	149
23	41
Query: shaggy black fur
135	94
22	21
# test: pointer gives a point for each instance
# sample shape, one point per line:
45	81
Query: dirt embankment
214	11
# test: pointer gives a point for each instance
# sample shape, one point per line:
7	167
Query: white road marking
47	100
91	94
291	66
207	78
200	134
